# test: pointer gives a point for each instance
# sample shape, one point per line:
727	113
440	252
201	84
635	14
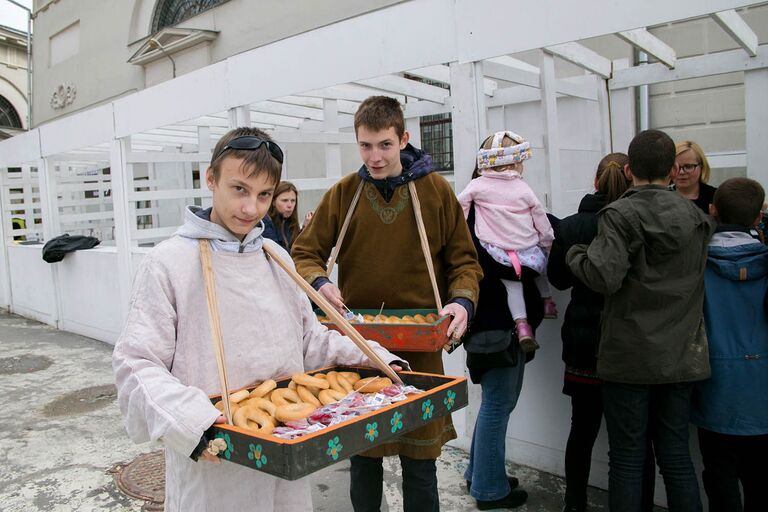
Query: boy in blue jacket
731	408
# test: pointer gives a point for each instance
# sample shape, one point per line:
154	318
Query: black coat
492	310
581	325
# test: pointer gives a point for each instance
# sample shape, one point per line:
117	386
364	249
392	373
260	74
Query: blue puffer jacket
735	400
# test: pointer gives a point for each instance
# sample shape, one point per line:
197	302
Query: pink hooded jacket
507	212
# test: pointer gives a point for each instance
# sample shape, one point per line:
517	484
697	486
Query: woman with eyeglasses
691	175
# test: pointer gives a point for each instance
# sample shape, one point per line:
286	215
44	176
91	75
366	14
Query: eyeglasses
252	143
686	168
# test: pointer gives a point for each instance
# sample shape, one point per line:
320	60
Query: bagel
420	319
432	317
292	385
293	412
253	418
339	383
308	380
351	377
232	407
238	396
329	396
263	388
284	396
262	403
372	384
307	396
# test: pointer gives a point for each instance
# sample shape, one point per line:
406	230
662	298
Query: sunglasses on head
252	143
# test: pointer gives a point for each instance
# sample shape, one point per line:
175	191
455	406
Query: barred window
436	132
437	140
171	12
9	118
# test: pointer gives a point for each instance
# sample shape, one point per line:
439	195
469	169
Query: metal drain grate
143	478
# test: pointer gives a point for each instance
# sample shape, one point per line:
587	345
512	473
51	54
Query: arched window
171	12
9	118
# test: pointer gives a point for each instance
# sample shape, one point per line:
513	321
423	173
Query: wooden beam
691	67
349	92
284	109
737	28
345	106
406	87
650	44
442	73
506	69
583	57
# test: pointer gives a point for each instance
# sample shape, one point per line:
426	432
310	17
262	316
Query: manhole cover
26	363
143	478
82	401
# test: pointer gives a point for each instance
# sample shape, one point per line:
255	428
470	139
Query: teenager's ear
712	210
209	179
404	140
628	172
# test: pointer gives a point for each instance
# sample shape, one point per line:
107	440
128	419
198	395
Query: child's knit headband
498	156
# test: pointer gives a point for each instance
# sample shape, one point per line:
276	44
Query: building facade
13	82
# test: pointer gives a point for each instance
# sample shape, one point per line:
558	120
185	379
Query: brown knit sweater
381	261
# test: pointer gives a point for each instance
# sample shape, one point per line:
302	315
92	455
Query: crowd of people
667	321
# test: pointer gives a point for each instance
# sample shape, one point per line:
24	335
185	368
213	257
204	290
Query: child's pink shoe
525	337
550	308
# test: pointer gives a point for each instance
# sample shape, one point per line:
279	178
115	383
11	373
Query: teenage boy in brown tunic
381	260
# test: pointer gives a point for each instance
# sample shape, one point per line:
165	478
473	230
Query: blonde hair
682	147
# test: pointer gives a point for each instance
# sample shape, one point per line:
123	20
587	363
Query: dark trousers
419	484
586	417
728	460
633	414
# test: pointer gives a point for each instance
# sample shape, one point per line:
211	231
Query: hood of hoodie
198	225
668	223
737	256
592	203
416	164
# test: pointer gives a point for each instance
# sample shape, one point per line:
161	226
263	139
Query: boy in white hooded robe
164	362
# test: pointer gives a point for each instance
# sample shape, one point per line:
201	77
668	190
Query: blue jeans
487	470
634	413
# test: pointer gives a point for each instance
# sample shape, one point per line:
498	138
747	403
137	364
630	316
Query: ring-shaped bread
309	380
293	412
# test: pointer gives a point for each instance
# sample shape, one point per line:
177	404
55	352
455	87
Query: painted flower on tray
372	431
230	449
450	399
334	448
427	408
256	455
396	422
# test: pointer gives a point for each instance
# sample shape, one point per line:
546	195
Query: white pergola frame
306	88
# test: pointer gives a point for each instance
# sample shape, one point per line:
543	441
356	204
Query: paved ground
62	431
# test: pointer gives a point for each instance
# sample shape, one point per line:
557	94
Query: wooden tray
296	458
403	337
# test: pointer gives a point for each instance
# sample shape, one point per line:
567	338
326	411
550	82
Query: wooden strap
213	317
343	232
425	243
334	315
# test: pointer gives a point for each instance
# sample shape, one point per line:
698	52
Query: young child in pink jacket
511	223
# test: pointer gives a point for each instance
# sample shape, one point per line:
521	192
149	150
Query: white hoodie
165	366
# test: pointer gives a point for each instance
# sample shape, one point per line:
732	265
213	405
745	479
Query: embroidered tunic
381	260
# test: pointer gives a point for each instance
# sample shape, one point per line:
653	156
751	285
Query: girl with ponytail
581	334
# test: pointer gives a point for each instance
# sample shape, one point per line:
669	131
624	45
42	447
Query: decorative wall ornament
63	95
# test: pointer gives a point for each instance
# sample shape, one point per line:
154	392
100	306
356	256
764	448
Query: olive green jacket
648	259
